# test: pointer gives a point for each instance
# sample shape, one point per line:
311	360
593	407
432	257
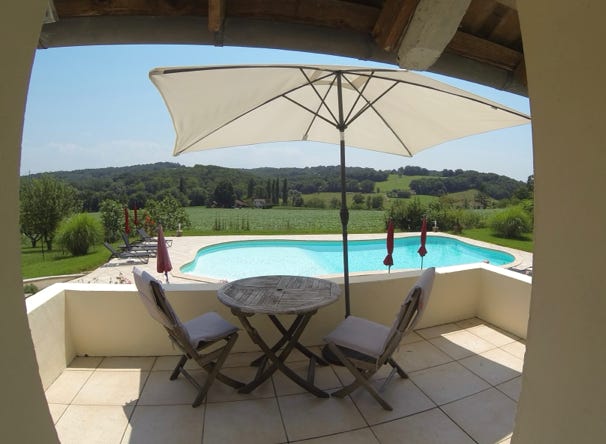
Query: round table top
278	294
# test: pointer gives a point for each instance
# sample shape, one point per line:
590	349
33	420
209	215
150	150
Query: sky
95	107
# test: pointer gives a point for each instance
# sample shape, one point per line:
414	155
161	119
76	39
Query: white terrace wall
69	320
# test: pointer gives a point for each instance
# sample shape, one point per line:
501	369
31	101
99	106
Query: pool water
240	259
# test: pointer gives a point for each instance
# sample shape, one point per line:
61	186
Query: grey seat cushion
208	327
361	335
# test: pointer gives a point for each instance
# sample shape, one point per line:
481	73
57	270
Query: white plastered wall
563	396
24	414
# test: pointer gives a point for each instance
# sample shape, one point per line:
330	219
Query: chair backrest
110	248
411	310
125	238
154	299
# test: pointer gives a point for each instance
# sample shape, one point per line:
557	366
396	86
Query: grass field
280	221
396	182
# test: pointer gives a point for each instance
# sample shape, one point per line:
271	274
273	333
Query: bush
315	202
511	223
112	216
30	289
407	217
78	233
167	212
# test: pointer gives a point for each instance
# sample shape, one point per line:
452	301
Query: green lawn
486	235
396	182
54	263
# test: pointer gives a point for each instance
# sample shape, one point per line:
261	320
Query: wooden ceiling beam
338	14
216	15
433	25
94	8
476	48
392	23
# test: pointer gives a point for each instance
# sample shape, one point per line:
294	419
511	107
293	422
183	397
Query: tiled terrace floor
463	388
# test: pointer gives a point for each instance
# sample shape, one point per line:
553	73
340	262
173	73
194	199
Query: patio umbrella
163	264
135	221
126	223
389	259
422	250
392	111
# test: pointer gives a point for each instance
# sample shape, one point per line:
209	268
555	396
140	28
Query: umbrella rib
314	114
370	105
360	95
322	99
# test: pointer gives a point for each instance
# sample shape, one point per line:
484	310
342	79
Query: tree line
206	185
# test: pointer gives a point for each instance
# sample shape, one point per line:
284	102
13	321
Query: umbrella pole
344	222
344	211
327	354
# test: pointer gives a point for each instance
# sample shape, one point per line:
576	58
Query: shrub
511	223
112	216
315	202
407	217
78	233
167	212
30	289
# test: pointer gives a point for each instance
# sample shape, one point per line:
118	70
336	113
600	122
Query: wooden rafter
216	15
392	23
484	51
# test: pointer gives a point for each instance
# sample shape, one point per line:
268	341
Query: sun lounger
136	256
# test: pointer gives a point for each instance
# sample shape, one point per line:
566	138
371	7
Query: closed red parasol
163	264
126	224
422	250
389	259
136	220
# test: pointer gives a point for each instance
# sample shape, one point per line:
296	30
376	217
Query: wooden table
280	295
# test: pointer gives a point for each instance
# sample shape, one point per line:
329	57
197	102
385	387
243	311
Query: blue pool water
240	259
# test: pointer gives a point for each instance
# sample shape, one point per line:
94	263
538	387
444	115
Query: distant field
274	221
396	182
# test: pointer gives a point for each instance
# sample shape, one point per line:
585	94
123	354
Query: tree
251	188
224	194
45	201
367	186
111	217
285	192
168	212
482	199
297	198
358	201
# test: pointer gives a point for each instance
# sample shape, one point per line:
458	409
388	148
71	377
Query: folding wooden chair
191	337
364	346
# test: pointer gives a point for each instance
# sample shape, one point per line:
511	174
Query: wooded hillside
195	186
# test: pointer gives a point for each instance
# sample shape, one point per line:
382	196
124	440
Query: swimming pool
240	259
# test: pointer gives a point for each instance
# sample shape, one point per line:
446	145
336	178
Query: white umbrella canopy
391	111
